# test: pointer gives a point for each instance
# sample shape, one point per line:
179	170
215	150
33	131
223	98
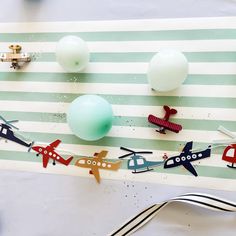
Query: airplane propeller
9	122
132	152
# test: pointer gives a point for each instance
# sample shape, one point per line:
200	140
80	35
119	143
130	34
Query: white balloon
167	70
72	53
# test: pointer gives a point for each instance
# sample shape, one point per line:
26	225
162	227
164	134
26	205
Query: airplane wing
55	143
45	160
96	174
188	147
101	154
188	166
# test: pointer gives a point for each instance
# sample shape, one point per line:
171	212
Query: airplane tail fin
169	111
67	162
30	147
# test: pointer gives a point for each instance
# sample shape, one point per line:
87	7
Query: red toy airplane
48	152
165	123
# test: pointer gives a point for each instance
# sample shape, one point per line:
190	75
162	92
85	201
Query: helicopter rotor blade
13	126
126	155
144	152
126	149
12	121
9	122
3	119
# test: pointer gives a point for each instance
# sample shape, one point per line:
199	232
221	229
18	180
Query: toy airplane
7	133
186	157
15	56
49	152
165	123
138	163
95	163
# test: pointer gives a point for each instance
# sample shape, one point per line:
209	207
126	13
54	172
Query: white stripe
125	132
216	45
200	113
113	152
120	68
117	89
125	175
121	25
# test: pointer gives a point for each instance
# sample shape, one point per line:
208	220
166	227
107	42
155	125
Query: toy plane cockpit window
140	162
131	163
230	152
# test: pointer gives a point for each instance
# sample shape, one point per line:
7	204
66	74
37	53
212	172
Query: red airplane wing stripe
166	124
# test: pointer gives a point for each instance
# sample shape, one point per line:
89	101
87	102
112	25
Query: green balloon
72	53
90	117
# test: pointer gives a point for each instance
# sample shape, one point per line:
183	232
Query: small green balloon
72	53
90	117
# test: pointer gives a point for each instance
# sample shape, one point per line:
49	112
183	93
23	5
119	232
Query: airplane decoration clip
7	133
138	163
186	157
49	152
165	123
97	162
229	154
15	56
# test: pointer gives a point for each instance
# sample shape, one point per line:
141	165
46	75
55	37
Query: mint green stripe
206	171
191	124
145	57
124	36
74	77
110	78
125	99
118	142
211	79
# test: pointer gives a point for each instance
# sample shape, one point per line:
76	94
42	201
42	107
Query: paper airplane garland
186	157
137	163
97	162
49	152
6	132
229	154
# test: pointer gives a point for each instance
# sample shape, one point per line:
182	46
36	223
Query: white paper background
47	205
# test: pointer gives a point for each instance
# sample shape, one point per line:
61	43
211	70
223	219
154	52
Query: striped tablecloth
40	94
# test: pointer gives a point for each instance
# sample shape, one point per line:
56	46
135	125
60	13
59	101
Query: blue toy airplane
186	157
138	163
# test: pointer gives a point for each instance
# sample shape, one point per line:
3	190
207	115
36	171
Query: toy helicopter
186	157
96	163
7	133
165	123
229	154
138	163
49	152
15	56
